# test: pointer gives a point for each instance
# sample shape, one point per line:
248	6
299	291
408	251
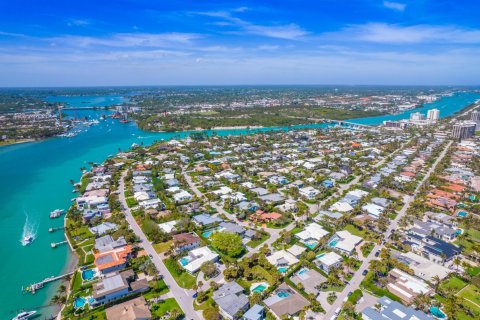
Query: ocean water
35	180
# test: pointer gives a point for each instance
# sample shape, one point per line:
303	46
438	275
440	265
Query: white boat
56	213
24	315
27	240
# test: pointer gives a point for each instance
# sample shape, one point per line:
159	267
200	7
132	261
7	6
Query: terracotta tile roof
112	258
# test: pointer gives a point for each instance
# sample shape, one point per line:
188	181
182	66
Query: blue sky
149	42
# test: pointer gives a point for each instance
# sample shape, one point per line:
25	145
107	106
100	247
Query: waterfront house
117	285
113	260
103	228
106	243
231	300
135	309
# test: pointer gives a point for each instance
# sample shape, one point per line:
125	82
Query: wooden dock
56	244
39	285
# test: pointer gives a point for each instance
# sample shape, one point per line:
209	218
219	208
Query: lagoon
35	180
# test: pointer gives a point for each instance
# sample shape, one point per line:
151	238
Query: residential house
135	309
117	285
328	261
196	257
231	300
113	260
344	242
185	242
406	286
392	310
285	301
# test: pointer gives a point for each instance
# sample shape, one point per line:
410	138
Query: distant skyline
146	42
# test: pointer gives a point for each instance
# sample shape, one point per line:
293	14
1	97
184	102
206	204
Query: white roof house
296	250
196	258
313	231
341	207
282	258
167	227
309	192
151	203
141	196
373	209
223	191
328	261
344	241
182	196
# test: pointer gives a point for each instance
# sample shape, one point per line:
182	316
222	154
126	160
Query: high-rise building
417	116
464	130
433	114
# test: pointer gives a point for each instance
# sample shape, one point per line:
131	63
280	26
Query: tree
208	268
211	314
227	243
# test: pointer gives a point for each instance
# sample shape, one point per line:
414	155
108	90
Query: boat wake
29	232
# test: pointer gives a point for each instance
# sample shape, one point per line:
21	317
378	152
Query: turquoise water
283	269
259	288
462	214
437	312
283	294
35	180
333	243
88	274
303	271
184	261
320	255
311	245
79	302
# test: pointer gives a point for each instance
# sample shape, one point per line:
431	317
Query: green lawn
471	293
166	306
97	315
455	283
162	247
255	243
183	278
77	281
353	230
157	289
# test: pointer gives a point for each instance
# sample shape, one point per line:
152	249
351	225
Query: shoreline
19	142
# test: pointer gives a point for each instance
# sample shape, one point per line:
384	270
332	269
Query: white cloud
78	23
128	40
396	34
395	5
287	32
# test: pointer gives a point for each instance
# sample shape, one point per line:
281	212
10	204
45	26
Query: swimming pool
303	271
311	245
259	288
436	312
88	274
333	243
320	255
283	269
283	294
184	261
462	214
208	233
79	302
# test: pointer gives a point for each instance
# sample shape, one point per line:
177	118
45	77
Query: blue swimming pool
260	288
88	274
303	271
333	243
283	294
320	255
283	269
184	261
79	302
436	312
462	214
311	245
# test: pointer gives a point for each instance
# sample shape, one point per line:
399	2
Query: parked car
365	272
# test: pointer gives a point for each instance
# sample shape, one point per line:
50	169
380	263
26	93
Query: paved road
357	278
183	296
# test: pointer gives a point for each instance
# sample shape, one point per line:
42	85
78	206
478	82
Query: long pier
56	244
39	285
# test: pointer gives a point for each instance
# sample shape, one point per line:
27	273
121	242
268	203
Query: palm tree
436	280
457	261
